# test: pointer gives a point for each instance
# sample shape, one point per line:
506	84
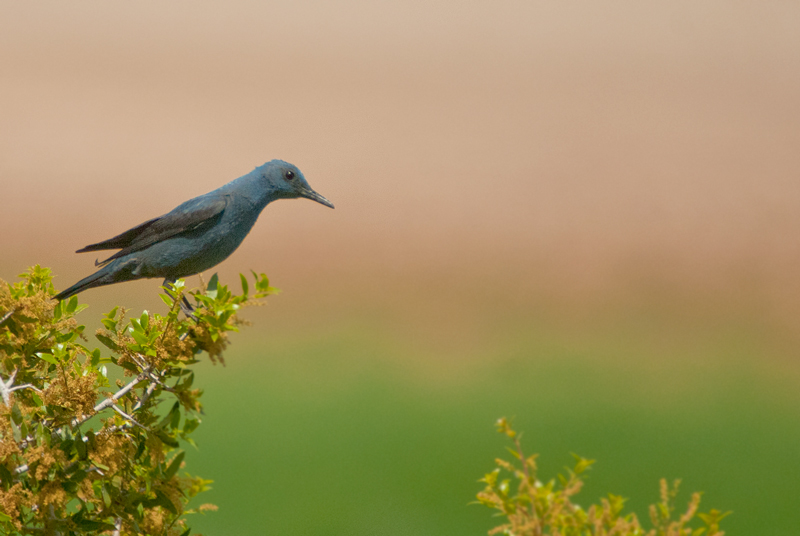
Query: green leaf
5	476
78	476
106	497
130	366
139	336
166	439
107	342
245	286
43	435
16	414
80	447
581	464
92	441
189	425
713	516
163	500
664	509
72	304
50	358
101	466
140	448
491	478
186	532
175	419
174	466
95	359
5	518
213	286
169	417
109	321
89	525
188	381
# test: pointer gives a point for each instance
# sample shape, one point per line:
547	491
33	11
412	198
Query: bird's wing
184	218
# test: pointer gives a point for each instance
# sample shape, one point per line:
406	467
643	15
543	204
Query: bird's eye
289	175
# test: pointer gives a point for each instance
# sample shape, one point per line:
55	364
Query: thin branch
7	316
146	395
95	470
6	387
140	361
6	393
24	386
53	517
128	417
157	379
108	402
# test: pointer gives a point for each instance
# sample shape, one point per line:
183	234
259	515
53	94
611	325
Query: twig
532	507
7	316
53	517
95	470
4	390
128	417
113	400
6	387
518	443
164	386
108	402
140	361
146	395
24	386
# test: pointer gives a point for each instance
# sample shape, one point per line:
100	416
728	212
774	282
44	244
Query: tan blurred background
580	150
622	176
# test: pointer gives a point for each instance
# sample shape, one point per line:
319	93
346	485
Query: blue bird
197	234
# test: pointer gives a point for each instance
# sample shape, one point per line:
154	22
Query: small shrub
534	508
81	453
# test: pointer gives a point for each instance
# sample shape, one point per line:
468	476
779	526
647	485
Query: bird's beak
314	196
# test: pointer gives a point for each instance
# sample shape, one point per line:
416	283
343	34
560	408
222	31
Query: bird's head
286	181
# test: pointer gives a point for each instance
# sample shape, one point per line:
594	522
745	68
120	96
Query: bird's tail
101	277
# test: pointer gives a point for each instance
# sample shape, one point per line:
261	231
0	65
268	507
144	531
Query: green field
356	431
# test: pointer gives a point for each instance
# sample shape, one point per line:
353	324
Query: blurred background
581	215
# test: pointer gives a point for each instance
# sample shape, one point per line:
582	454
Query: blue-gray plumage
197	234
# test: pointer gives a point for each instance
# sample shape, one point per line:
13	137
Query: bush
533	508
90	443
73	464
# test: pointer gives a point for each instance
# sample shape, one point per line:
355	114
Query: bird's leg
186	307
166	284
